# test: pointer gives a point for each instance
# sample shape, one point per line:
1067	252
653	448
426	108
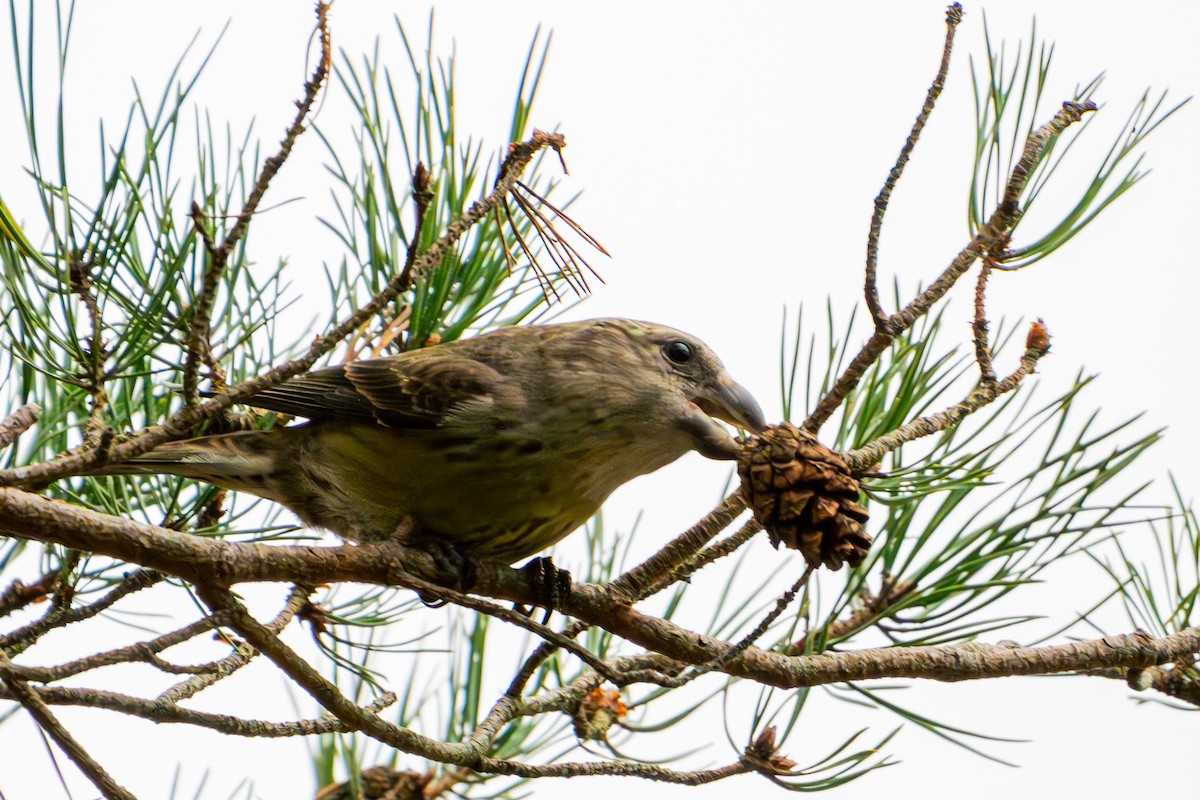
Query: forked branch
992	238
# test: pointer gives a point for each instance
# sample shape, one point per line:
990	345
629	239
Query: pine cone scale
805	496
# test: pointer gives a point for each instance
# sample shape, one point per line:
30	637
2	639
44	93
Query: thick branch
207	561
970	661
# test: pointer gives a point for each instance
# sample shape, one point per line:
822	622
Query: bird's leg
549	583
455	569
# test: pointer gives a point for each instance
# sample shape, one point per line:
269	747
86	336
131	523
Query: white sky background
730	154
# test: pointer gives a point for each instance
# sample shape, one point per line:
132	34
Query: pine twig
979	325
862	459
241	656
991	237
954	15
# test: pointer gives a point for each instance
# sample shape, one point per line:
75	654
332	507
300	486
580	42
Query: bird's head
693	388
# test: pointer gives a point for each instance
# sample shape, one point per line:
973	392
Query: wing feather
421	389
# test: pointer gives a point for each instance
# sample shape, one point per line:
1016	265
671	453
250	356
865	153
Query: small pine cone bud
804	495
1039	337
762	754
597	712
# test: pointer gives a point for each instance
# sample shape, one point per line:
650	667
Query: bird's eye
678	352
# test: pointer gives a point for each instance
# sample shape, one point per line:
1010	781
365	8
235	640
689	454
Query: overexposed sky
729	155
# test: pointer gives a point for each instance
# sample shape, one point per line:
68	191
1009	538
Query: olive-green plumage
500	445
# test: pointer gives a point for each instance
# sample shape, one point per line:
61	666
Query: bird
497	446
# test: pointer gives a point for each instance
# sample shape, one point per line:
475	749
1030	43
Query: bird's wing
422	389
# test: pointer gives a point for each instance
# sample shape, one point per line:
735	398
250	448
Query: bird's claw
455	570
549	583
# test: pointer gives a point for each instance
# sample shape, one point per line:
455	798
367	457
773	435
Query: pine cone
804	495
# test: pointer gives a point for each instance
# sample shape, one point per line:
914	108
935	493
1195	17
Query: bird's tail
240	461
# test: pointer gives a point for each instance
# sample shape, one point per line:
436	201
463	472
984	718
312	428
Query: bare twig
632	769
781	605
63	593
979	326
158	711
146	651
954	15
422	191
19	594
726	547
20	691
423	196
218	254
745	642
199	346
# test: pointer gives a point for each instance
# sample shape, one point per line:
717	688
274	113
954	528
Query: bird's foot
455	570
549	583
